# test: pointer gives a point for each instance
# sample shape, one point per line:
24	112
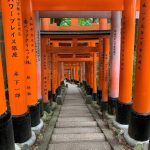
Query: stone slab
76	119
81	146
58	138
65	124
76	130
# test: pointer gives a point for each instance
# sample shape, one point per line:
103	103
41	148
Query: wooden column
45	24
45	85
101	70
54	76
126	69
14	48
38	59
104	102
95	76
115	61
49	74
6	128
139	128
30	63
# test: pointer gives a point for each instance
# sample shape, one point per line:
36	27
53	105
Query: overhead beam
75	14
70	50
79	5
75	59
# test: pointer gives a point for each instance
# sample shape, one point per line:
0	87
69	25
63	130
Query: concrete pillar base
120	126
28	143
108	116
133	142
38	128
17	147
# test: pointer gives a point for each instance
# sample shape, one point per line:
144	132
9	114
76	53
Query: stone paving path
76	129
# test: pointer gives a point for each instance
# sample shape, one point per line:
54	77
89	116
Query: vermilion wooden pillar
101	70
14	47
49	77
139	125
103	23
76	68
45	24
45	87
62	71
38	59
115	61
81	72
30	63
54	75
104	102
124	102
91	75
6	128
94	76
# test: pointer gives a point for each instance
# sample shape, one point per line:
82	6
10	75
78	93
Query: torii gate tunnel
37	57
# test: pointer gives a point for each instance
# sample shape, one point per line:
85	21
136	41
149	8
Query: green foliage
67	21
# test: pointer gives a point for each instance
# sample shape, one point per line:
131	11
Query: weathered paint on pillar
104	102
126	64
6	128
14	47
38	53
115	61
139	128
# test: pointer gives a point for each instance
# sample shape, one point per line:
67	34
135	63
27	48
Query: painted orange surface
44	54
94	73
106	70
45	24
84	5
127	51
101	67
49	71
103	25
14	47
30	53
2	89
54	73
141	101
